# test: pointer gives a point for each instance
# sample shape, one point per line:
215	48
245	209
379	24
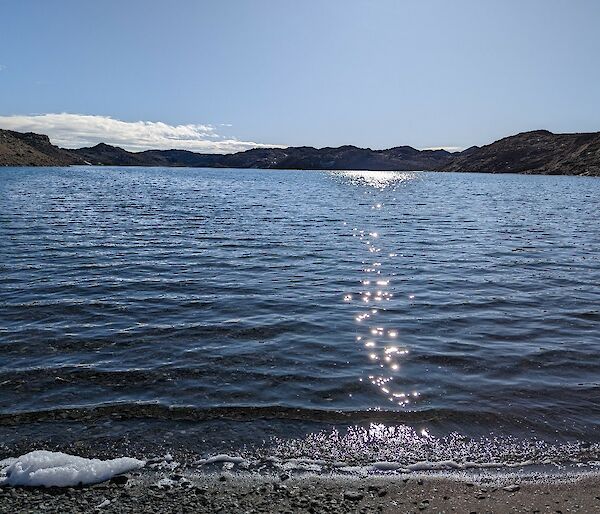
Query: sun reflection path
382	344
375	179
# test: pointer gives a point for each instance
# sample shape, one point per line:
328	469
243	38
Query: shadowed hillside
305	157
539	152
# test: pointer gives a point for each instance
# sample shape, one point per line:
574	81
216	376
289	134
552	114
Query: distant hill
29	149
538	151
304	157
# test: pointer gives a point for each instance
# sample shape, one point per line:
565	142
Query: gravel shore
314	494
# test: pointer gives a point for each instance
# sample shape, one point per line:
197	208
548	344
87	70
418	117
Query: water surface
462	303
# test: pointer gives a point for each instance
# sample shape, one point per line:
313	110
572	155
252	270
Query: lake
361	316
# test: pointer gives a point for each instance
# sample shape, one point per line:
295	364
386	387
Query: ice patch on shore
55	469
220	459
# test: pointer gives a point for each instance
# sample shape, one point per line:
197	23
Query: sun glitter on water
383	349
375	179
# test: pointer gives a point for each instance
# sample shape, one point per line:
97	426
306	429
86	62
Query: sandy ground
234	493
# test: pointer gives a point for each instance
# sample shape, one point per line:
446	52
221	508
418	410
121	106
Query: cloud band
79	130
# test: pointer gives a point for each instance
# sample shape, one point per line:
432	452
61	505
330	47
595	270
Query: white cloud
447	148
78	130
2	67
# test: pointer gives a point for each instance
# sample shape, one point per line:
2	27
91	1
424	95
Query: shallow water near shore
345	316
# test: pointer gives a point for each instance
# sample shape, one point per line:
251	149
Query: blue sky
225	75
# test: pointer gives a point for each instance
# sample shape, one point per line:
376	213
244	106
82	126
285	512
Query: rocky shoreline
232	493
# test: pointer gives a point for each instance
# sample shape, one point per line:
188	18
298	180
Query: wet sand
234	493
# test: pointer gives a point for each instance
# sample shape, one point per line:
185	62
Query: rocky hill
29	149
539	152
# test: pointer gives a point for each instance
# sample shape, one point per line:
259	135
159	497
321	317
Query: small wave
314	441
125	411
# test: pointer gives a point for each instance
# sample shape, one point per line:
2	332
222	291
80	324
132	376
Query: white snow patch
55	469
7	462
389	466
221	458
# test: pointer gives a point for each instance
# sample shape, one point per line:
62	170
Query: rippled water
444	302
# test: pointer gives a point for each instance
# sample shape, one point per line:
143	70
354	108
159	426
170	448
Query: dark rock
119	480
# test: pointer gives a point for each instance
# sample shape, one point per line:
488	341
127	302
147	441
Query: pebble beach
148	492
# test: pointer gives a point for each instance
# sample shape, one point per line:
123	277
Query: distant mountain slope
539	151
29	149
343	157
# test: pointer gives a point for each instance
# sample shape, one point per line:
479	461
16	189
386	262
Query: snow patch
389	466
221	458
55	469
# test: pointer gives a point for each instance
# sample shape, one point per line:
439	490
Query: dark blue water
446	302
